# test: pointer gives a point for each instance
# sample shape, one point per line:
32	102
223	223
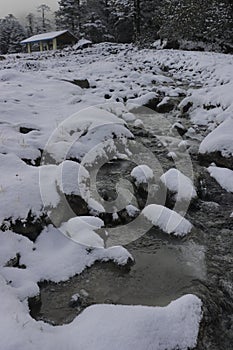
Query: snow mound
142	100
223	176
219	140
180	184
167	220
99	326
82	230
142	174
26	189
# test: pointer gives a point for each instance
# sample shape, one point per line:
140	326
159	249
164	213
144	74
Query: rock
165	106
25	130
66	209
179	128
153	102
209	190
14	262
83	83
107	96
2	58
29	227
34	305
186	107
82	44
207	158
75	300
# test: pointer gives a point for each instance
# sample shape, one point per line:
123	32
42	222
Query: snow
167	220
223	176
142	100
132	210
219	140
73	125
82	230
92	329
53	257
44	36
142	174
179	184
81	44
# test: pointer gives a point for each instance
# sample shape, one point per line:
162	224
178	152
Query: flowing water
165	267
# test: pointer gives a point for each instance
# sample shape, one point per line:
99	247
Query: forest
186	24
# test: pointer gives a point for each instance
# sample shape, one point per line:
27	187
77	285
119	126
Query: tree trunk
137	19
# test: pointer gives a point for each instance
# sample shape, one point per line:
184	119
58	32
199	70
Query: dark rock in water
152	103
141	193
165	107
75	300
2	58
186	107
180	129
215	157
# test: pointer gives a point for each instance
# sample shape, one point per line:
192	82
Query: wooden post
55	44
47	46
41	46
29	47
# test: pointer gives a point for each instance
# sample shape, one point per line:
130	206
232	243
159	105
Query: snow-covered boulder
167	220
179	185
142	174
82	230
82	44
217	146
223	176
150	100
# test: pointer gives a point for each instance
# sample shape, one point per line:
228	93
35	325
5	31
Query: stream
165	267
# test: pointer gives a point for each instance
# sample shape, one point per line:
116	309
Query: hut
51	40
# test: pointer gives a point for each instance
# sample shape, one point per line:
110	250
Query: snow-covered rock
167	220
217	146
82	230
142	174
179	184
223	176
219	140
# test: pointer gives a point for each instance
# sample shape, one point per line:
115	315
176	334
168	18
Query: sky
20	8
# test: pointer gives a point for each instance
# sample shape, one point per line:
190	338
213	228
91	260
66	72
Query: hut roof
46	36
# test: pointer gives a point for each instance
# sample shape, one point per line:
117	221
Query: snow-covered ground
44	113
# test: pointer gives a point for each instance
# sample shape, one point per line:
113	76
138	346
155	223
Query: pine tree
95	20
11	33
31	24
45	23
209	21
68	15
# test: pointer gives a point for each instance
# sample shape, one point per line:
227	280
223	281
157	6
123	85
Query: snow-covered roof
44	36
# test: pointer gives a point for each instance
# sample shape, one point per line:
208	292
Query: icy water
165	267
